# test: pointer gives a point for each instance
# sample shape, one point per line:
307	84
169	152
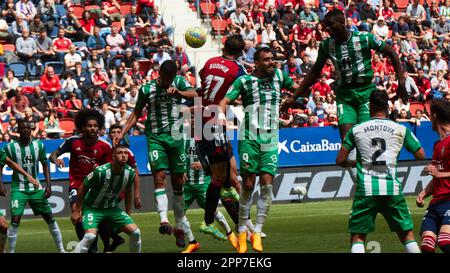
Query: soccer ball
300	190
195	37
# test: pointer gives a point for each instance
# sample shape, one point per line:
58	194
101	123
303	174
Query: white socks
245	203
162	204
187	229
178	208
220	218
135	241
12	237
56	234
358	247
412	247
86	242
263	206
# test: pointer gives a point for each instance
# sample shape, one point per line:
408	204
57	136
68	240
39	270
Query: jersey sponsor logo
86	160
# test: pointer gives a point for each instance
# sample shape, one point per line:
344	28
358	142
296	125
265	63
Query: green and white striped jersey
2	158
27	157
162	110
104	187
352	59
195	177
378	143
261	101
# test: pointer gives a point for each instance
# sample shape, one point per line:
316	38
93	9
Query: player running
163	97
351	55
86	152
436	222
215	151
98	200
378	190
28	153
258	143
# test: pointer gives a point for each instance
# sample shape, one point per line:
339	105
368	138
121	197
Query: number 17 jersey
378	143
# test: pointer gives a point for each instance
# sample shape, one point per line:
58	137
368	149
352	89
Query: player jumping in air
98	201
351	55
163	97
378	190
436	222
86	152
258	143
27	153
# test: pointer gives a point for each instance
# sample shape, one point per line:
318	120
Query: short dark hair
441	109
114	126
86	114
378	101
119	146
169	67
257	55
234	44
335	14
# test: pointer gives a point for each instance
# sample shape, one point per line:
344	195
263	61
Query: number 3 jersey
378	143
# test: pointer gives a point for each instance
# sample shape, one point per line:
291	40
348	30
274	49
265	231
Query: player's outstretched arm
137	190
16	167
395	60
76	214
420	154
420	199
132	120
48	188
342	160
128	198
54	158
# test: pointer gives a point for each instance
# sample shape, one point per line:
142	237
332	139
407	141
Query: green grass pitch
318	227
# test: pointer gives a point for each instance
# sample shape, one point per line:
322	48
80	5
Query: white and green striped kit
378	143
195	177
162	110
27	157
104	187
261	100
353	58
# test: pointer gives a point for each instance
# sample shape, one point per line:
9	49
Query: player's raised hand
432	170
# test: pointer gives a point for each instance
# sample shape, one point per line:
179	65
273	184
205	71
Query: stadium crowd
59	56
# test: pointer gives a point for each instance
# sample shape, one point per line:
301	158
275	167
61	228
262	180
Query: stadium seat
140	30
78	11
427	106
57	66
79	44
125	9
207	9
19	69
9	47
105	31
2	70
33	71
68	125
401	4
84	64
144	65
218	27
41	125
118	25
414	106
5	126
91	8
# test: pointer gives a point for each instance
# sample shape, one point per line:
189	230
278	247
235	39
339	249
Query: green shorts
392	207
353	104
166	153
115	217
195	192
38	203
256	157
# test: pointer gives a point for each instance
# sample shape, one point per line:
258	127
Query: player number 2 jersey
105	186
378	143
352	59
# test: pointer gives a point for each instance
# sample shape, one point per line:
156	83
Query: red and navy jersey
441	159
84	158
217	78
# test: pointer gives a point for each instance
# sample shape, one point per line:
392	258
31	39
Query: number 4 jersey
378	143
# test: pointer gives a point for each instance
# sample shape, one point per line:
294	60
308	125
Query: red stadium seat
401	4
140	30
414	106
125	9
218	26
5	126
2	70
68	125
9	47
427	106
118	25
78	11
207	9
144	66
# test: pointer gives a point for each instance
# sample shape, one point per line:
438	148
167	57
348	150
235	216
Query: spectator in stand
368	16
351	25
329	69
123	114
128	59
277	50
72	26
109	116
312	49
387	13
45	50
282	33
104	18
26	48
238	19
353	13
10	82
417	16
36	25
11	131
69	84
404	116
424	86
248	33
409	46
100	78
4	33
445	9
87	24
132	42
18	26
289	16
438	64
153	72
93	60
319	34
165	42
321	86
161	56
148	42
271	16
439	85
145	8
157	23
131	97
309	16
71	58
330	104
121	81
306	65
26	10
378	68
9	11
425	64
58	105
319	111
433	12
47	10
95	101
39	103
244	5
312	121
5	108
113	99
292	67
112	7
50	82
381	30
391	86
73	105
137	76
331	120
131	20
115	40
226	7
400	29
410	84
247	58
182	58
268	34
256	18
29	117
96	41
61	45
441	29
302	35
51	122
83	80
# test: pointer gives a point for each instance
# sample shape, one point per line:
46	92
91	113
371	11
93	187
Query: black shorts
213	151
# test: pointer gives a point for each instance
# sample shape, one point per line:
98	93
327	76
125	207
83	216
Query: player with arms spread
378	190
163	97
99	199
436	222
86	152
28	153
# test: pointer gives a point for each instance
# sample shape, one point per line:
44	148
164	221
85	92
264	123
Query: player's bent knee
428	244
135	235
444	242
